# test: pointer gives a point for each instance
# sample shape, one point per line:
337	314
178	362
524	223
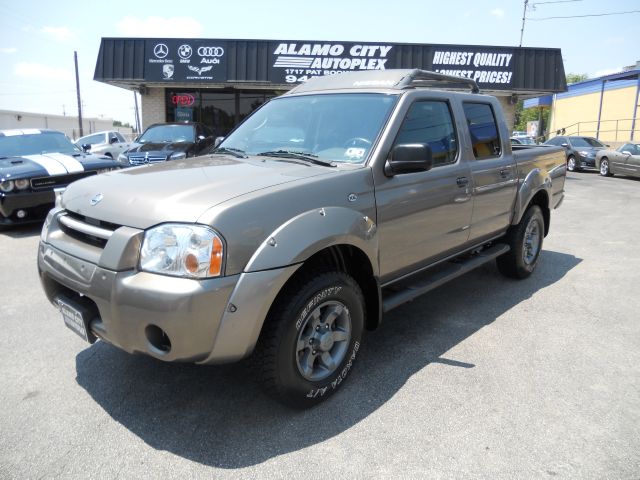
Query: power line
583	16
556	1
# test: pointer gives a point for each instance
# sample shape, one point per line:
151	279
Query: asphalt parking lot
482	378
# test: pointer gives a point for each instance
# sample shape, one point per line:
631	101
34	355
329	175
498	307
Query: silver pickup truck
330	205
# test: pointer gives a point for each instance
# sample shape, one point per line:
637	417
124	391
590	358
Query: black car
580	151
168	141
35	162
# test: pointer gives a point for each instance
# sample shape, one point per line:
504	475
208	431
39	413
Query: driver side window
430	122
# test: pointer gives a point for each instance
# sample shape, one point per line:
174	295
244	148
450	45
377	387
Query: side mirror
565	145
626	152
217	141
86	147
200	138
113	140
409	158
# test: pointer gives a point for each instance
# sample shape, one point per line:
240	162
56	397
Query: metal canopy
137	63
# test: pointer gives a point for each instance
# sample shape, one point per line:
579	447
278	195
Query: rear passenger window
483	129
430	122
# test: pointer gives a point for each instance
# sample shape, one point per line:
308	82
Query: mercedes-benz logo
146	157
185	51
96	199
160	50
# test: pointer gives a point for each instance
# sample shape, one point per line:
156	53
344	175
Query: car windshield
334	127
585	142
34	144
168	134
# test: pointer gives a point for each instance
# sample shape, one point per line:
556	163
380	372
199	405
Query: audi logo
210	51
183	99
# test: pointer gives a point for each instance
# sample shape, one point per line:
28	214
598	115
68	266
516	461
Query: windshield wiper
307	157
236	152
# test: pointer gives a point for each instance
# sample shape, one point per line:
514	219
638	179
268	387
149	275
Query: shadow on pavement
22	231
218	416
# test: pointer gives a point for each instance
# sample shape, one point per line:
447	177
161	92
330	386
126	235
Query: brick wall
153	107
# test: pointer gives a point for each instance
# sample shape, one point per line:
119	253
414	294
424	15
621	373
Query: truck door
493	172
423	215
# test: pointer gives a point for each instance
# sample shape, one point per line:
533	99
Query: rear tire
525	240
310	339
604	168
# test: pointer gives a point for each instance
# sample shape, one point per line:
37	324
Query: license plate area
77	315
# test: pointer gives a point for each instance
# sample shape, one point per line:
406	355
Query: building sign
487	66
175	60
289	62
295	62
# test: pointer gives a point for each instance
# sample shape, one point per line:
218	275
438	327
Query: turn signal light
215	267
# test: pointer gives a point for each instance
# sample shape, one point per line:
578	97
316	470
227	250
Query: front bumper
35	206
586	162
205	321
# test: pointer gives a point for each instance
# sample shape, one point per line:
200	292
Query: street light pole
524	16
75	60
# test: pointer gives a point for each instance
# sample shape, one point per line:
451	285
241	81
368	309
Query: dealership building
219	82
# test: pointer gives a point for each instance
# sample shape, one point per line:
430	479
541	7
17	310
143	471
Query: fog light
21	214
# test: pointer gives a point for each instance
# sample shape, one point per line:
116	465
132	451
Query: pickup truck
330	205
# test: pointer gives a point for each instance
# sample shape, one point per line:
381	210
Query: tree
118	123
576	77
522	116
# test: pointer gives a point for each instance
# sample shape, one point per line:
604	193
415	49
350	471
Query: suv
109	143
336	202
168	141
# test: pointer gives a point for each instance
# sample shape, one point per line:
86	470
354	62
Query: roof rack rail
424	78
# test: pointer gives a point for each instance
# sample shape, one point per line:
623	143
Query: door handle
504	173
462	181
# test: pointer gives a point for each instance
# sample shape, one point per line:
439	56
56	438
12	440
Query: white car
110	143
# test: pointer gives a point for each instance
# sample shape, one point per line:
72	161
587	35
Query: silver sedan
625	160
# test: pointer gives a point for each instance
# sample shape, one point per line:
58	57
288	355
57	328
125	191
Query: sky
38	38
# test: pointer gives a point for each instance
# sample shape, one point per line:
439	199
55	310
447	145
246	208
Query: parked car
340	200
35	162
580	151
624	160
522	141
110	143
168	141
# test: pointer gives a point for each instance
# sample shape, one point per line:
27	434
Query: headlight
178	156
584	153
181	250
122	158
22	183
6	186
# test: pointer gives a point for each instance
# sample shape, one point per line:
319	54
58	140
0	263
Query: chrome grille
144	159
86	229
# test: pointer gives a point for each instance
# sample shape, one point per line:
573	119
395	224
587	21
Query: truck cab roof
385	79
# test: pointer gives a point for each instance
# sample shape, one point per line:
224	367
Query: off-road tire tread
263	360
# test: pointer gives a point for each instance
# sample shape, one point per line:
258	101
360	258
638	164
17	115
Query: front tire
311	338
572	164
525	240
604	168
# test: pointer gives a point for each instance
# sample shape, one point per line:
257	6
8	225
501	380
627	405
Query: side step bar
453	270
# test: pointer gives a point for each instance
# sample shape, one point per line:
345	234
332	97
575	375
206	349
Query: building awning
139	63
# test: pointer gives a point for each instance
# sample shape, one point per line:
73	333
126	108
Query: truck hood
178	191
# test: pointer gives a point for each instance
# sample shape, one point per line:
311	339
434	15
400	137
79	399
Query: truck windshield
34	144
333	127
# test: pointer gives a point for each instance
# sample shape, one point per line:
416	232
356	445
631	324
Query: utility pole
75	60
135	102
524	16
